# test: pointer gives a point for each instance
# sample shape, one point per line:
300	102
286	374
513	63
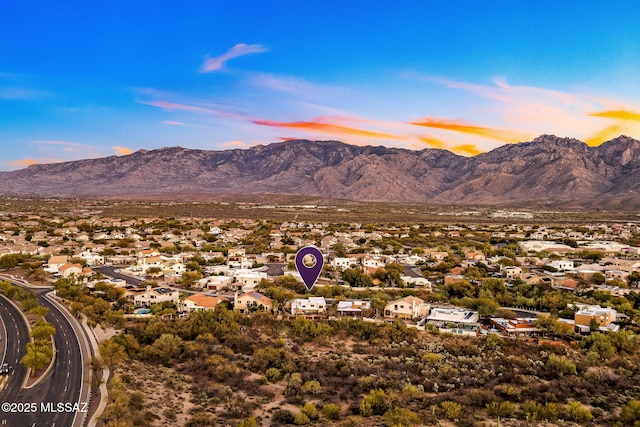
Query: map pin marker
309	274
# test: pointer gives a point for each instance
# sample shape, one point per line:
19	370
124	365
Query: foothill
503	320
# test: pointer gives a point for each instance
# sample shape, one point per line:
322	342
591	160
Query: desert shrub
301	419
378	402
312	387
451	410
311	411
401	417
273	375
283	416
532	411
331	411
574	411
503	410
630	413
559	366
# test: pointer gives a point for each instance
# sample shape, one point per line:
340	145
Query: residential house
92	258
68	270
155	295
199	302
456	315
306	306
342	263
511	272
514	328
55	262
562	264
604	316
409	307
250	301
354	308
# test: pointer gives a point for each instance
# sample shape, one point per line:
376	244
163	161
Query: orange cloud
434	142
618	114
467	148
30	161
241	49
240	144
496	134
626	120
329	128
122	151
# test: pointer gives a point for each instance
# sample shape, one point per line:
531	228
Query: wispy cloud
174	123
68	144
19	93
434	142
618	114
459	126
241	49
626	120
296	86
34	161
122	151
320	126
172	106
534	110
470	149
235	144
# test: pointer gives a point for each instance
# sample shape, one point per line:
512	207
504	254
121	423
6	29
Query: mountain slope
547	168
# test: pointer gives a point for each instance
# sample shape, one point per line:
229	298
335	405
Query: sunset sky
82	79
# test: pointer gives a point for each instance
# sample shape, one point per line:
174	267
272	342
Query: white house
311	305
155	295
562	264
409	307
341	263
419	282
453	315
55	262
92	258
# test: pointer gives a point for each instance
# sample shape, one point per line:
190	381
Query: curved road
63	385
15	335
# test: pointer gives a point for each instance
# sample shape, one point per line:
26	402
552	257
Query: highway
15	335
64	385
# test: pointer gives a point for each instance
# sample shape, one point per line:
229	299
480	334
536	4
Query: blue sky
93	79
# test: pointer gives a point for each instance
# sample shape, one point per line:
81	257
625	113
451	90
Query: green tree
38	355
112	352
42	330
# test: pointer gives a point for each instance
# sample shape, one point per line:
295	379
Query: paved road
15	335
63	386
111	272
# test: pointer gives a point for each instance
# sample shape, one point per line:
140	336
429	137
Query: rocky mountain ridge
548	168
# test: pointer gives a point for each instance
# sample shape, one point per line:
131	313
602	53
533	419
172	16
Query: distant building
409	307
604	316
155	295
311	305
354	308
199	302
250	301
453	315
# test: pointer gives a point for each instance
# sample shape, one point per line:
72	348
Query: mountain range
548	170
